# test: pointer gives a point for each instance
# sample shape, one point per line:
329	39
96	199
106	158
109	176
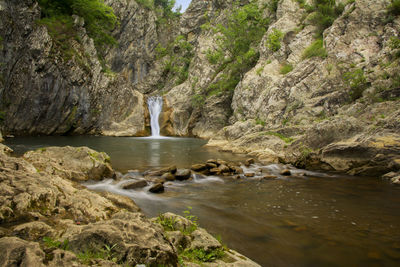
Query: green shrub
394	44
146	3
316	49
274	40
200	255
394	8
235	40
273	5
357	82
260	122
99	18
325	13
286	68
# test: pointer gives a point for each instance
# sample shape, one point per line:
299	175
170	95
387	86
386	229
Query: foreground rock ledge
48	219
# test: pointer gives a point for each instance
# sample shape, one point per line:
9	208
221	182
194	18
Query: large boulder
135	239
74	163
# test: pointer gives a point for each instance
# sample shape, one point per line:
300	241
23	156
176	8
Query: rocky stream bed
49	218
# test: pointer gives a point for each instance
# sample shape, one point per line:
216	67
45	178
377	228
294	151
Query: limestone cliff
49	87
318	100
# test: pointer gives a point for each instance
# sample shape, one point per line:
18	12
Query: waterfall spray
155	106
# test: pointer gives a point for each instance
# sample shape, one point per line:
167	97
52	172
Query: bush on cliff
99	18
236	41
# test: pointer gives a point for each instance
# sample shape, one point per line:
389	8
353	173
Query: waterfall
155	106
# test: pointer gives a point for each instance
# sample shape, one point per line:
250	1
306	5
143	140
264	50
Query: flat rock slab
135	184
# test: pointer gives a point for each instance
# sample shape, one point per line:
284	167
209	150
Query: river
315	220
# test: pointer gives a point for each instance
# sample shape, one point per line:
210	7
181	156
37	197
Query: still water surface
317	220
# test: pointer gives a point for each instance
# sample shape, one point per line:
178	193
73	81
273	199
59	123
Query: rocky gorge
336	110
312	84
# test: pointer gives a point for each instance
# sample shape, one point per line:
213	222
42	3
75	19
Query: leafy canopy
236	41
99	18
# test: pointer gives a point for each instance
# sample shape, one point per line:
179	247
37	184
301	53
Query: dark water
317	220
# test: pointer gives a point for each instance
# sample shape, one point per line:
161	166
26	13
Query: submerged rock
183	174
157	188
286	172
135	184
168	177
199	167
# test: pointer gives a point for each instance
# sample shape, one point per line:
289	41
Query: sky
184	3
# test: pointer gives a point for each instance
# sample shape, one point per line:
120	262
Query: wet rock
249	161
183	174
390	175
249	174
211	165
215	171
395	180
135	184
212	161
168	177
221	162
237	170
157	188
74	163
267	177
285	172
172	169
199	167
223	168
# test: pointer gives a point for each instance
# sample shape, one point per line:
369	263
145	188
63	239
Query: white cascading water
155	106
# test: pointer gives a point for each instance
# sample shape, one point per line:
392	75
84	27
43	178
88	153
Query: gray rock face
46	92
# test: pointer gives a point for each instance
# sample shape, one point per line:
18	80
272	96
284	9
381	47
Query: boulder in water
199	167
286	172
183	174
249	174
157	188
168	177
211	165
135	184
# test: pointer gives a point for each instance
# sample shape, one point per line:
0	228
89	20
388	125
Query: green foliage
180	54
394	44
200	255
287	140
2	116
167	223
51	243
316	49
260	122
324	14
198	100
188	215
286	68
394	8
235	40
105	253
146	3
357	82
273	5
274	40
99	18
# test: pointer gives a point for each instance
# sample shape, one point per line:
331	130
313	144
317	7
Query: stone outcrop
47	219
186	236
48	90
